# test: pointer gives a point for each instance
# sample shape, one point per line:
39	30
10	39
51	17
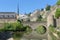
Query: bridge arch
34	25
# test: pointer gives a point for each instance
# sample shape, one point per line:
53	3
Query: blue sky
25	6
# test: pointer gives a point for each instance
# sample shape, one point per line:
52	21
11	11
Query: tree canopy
57	13
48	7
39	18
58	2
13	26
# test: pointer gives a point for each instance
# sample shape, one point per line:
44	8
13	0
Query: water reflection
5	35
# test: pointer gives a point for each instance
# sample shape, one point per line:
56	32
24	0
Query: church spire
18	8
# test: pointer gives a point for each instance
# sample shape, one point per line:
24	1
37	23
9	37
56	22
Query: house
23	17
8	17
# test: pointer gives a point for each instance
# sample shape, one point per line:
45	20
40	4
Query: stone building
34	15
23	17
8	17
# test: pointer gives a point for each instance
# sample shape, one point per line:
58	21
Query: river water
5	35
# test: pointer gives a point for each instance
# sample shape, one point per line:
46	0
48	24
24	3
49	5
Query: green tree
57	13
8	27
39	18
17	26
48	7
58	2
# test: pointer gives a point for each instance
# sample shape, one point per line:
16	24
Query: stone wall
34	34
58	22
7	20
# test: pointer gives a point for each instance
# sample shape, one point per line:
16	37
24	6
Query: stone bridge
34	34
34	25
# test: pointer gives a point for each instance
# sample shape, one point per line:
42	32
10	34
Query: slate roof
7	15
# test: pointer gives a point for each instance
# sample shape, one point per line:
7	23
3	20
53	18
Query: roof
7	15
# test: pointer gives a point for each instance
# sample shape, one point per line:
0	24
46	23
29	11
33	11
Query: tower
18	8
17	11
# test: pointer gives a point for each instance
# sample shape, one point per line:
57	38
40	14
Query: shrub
41	29
58	33
52	29
28	29
57	13
8	27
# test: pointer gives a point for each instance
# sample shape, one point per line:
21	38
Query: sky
25	6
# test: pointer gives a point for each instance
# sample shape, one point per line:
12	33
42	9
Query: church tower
18	8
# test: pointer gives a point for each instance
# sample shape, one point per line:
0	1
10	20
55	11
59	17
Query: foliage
19	20
8	27
17	26
52	36
48	7
39	18
41	29
58	33
17	34
58	2
1	30
57	13
52	29
28	29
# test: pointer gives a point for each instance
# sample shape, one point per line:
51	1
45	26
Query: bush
52	28
28	29
17	26
57	13
8	27
41	29
58	33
